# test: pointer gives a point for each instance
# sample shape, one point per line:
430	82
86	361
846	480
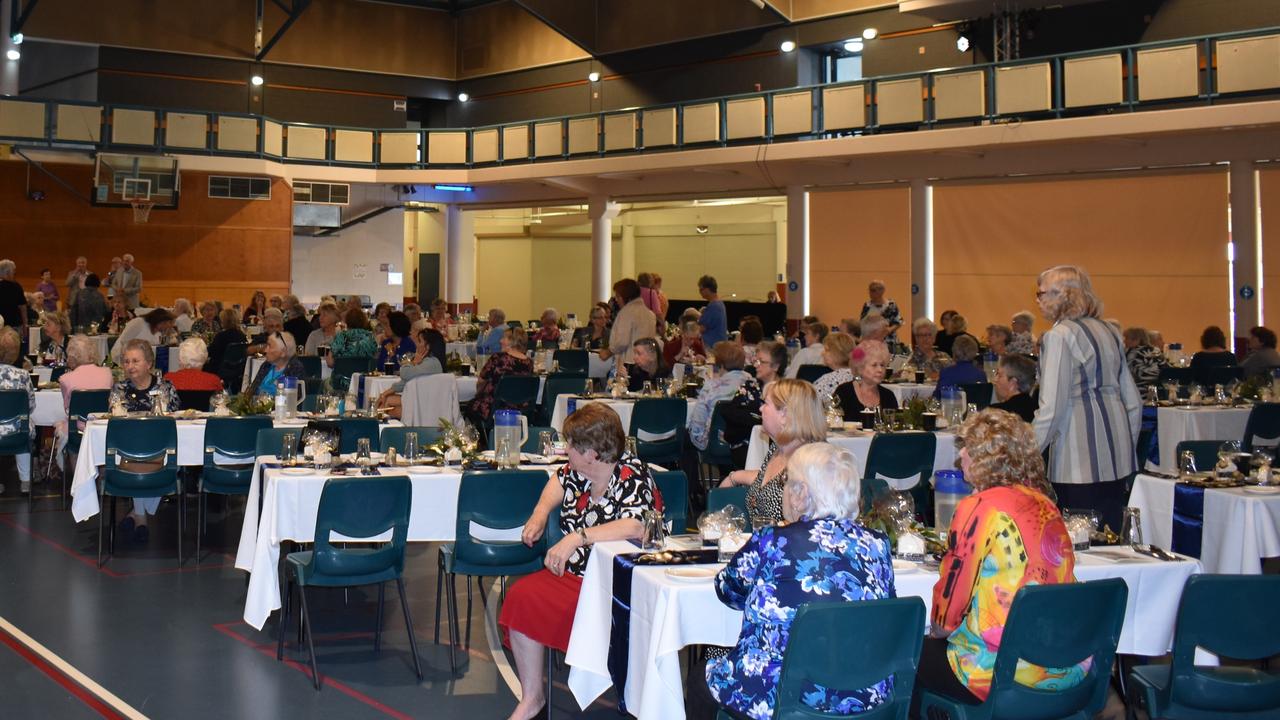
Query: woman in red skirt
602	494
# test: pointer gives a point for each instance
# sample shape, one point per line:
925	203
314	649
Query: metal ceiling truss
294	10
18	14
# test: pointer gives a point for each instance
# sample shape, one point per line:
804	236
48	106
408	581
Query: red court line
93	562
59	677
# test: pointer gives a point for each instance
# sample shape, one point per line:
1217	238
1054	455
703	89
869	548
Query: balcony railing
1199	70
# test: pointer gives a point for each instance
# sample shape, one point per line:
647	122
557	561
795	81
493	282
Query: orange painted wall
856	236
1269	204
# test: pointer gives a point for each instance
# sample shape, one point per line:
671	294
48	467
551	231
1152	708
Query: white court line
70	671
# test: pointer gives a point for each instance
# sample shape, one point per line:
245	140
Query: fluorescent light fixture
18	38
870	34
454	188
854	45
13	54
962	44
256	80
593	76
788	46
463	97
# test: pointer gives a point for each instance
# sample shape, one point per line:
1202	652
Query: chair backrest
1205	452
1180	375
885	636
311	364
674	486
1247	632
810	373
517	392
145	438
84	402
1059	626
664	417
501	500
355	428
362	507
56	373
394	436
534	443
718	498
233	437
900	455
270	438
554	388
15	407
978	393
195	399
1220	374
572	361
717	451
344	366
1263	424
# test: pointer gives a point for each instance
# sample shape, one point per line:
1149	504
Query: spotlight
17	38
962	44
593	76
788	46
854	45
869	34
13	54
256	80
463	97
701	229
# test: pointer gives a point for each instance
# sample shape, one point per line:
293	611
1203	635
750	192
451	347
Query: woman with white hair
182	315
13	377
281	363
83	371
137	392
869	362
1090	411
190	375
822	555
924	355
549	334
1022	342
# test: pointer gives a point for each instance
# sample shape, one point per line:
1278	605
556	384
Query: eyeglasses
1042	293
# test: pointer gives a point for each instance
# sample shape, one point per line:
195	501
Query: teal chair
517	392
1263	424
57	373
231	366
394	436
717	453
355	428
884	635
1182	690
83	402
718	498
658	424
501	500
573	361
811	373
311	364
553	389
1050	626
674	487
270	438
312	389
195	399
362	507
1205	452
901	455
343	367
15	410
534	443
141	462
978	393
229	453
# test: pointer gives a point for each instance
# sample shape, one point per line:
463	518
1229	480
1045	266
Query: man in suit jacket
1015	376
128	281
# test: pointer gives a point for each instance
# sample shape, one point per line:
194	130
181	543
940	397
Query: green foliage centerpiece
248	404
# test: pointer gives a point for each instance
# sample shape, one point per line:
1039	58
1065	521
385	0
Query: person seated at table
548	335
750	333
190	375
253	311
423	364
1015	376
355	340
964	370
1143	359
490	340
1005	535
327	317
647	367
229	321
1021	340
14	377
511	361
743	411
998	337
727	377
924	355
380	313
281	363
207	323
396	341
83	372
88	305
1213	353
812	336
57	330
295	318
790	417
413	311
945	337
440	317
152	327
686	347
602	493
272	322
1262	358
182	315
437	347
835	355
134	392
119	316
822	555
873	328
868	362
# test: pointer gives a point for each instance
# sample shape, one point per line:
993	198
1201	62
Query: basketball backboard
122	180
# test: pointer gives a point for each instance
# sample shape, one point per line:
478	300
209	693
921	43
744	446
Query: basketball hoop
141	210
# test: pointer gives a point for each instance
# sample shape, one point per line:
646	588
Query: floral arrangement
1251	388
453	363
472	333
247	404
913	411
453	438
893	513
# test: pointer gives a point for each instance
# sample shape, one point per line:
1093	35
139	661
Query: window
239	188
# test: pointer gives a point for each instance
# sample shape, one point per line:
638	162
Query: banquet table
1175	424
463	349
43	373
1240	525
375	385
859	443
289	505
668	615
49	410
622	406
905	391
254	362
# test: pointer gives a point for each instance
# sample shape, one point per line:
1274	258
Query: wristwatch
582	533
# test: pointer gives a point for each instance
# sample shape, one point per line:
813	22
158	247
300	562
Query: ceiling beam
295	11
18	15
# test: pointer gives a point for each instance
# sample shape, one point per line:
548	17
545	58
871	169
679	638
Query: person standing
88	305
111	277
13	301
50	291
76	278
877	304
634	321
128	281
714	319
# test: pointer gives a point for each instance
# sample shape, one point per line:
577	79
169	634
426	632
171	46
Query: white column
459	256
1246	248
629	250
921	251
797	253
8	68
780	245
602	213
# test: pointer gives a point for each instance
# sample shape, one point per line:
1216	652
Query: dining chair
15	410
553	389
717	454
353	429
534	442
898	456
517	392
1219	375
1179	375
719	498
395	436
1050	626
978	393
230	445
343	367
572	361
195	399
1263	424
141	462
310	364
1205	452
83	402
658	424
811	373
269	440
231	366
363	507
674	487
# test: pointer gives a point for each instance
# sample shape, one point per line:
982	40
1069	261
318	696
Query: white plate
422	470
1261	490
297	471
692	573
902	567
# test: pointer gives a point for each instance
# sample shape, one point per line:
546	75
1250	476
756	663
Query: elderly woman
207	323
750	333
813	335
634	321
83	372
1263	357
229	321
355	340
182	315
13	377
272	322
135	393
88	305
120	315
836	348
998	337
327	316
511	361
57	330
868	363
964	371
727	377
821	555
253	312
744	410
687	347
1143	359
924	356
439	315
190	375
295	318
1005	535
424	363
1015	376
150	328
380	313
1021	341
648	366
1213	353
281	363
791	416
548	335
396	341
1090	411
602	495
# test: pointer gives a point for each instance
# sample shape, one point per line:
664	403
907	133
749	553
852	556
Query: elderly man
13	377
490	340
272	322
76	278
128	281
877	304
1015	376
296	322
111	276
13	301
1022	342
414	312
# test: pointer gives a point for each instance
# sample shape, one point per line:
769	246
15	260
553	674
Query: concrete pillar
602	212
797	253
1246	248
780	246
629	250
921	252
8	68
459	257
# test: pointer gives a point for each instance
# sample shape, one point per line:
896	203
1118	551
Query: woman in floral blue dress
823	555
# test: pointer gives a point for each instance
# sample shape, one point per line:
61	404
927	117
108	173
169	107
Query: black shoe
126	526
141	534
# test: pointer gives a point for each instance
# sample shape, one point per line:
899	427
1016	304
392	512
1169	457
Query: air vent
239	188
321	193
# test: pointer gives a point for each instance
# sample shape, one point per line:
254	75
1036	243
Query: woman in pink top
83	374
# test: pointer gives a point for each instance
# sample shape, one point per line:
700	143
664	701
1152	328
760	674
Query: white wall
325	265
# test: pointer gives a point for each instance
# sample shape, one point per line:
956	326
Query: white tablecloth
623	407
467	388
859	443
49	409
905	391
44	372
667	615
1175	424
1240	526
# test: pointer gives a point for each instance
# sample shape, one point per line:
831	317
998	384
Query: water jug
513	426
953	405
292	394
949	488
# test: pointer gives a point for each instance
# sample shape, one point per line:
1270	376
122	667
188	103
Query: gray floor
170	642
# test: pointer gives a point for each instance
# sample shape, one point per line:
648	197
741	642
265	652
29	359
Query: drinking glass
1131	526
588	387
288	449
646	389
547	442
469	438
654	531
1187	463
363	456
502	452
411	446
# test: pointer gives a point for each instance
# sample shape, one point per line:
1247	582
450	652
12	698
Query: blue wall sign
915	289
1246	292
793	286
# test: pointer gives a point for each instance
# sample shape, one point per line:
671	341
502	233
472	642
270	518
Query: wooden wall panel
501	37
1269	202
856	236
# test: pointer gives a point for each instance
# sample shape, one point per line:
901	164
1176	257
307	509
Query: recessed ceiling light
593	76
13	54
869	34
463	97
962	44
18	38
854	46
788	46
256	79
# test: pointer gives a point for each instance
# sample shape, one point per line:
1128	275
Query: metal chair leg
182	512
551	654
467	641
311	650
201	510
283	628
451	600
439	590
377	633
101	511
408	624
